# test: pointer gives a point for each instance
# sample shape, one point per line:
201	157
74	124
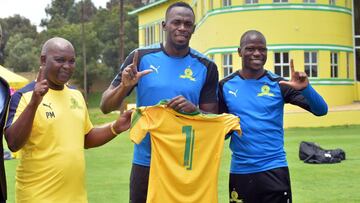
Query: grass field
108	167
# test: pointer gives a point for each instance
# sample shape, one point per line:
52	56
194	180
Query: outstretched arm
19	132
101	135
311	100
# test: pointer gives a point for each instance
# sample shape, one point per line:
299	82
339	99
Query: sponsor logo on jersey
188	74
265	91
155	69
233	92
49	113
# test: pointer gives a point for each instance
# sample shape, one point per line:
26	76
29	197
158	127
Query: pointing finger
41	74
135	59
292	67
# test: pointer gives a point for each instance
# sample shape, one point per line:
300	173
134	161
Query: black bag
311	152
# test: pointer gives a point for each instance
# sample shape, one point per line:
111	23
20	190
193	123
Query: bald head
251	34
54	44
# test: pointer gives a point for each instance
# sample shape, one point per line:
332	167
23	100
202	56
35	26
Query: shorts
272	186
139	180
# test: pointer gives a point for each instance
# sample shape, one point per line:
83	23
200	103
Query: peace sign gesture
130	75
298	80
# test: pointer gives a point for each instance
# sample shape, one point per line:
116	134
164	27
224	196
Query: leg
139	180
242	189
275	186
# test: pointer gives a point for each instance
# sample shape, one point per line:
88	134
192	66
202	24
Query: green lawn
108	167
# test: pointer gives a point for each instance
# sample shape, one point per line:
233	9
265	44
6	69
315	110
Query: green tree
94	46
15	25
75	14
107	23
22	54
58	11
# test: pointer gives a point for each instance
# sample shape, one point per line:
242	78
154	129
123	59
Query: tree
107	24
15	25
58	12
22	54
75	13
95	68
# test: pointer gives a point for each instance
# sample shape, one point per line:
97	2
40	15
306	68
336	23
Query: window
226	3
251	1
280	1
334	64
161	33
282	65
309	1
149	35
227	64
311	63
332	2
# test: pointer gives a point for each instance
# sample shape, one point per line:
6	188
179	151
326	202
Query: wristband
112	129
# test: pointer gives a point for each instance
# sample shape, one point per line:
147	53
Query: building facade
321	36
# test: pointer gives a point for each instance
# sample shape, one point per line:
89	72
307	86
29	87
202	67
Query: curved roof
15	81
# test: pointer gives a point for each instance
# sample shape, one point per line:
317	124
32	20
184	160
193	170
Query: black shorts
272	186
139	180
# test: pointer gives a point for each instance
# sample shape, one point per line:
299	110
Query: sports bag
311	152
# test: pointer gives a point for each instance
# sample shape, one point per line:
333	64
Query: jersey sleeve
209	91
233	124
222	104
307	99
87	122
139	125
16	107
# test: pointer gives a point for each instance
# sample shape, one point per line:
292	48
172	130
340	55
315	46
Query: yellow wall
333	118
291	27
225	29
357	91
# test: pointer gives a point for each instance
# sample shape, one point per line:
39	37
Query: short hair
178	4
248	33
55	41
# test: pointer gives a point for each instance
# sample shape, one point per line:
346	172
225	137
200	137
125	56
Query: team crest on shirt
74	104
235	197
49	113
188	74
265	91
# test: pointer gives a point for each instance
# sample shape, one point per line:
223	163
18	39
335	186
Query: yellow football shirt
185	152
52	165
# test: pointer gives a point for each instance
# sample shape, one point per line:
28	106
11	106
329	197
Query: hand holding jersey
298	80
122	123
130	76
180	103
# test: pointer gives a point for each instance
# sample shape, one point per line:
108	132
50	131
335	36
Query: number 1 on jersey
189	146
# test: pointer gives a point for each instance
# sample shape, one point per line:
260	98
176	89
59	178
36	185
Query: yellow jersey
185	152
52	165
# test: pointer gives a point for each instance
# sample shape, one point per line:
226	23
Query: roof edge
146	7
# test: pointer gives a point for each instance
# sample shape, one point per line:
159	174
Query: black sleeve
116	81
209	90
222	105
294	97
